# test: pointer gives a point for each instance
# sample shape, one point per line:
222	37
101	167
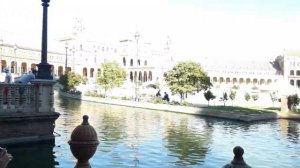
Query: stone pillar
44	95
238	160
284	105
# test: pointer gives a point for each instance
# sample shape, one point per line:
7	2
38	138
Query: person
24	79
158	94
166	97
8	79
5	158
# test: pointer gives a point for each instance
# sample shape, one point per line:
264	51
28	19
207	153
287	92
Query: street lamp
66	61
15	61
136	81
44	68
73	52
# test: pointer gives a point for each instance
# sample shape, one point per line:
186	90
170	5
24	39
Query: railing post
83	143
44	95
238	160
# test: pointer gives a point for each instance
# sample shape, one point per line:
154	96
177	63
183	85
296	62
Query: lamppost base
44	71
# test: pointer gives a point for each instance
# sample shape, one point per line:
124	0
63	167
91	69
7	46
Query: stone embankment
201	111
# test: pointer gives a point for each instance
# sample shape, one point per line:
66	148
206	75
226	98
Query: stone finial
83	143
238	160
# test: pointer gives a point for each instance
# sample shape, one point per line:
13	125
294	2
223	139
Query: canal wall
200	111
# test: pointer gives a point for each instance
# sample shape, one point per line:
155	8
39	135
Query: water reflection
189	146
132	137
290	129
38	155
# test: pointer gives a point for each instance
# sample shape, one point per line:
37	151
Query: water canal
132	137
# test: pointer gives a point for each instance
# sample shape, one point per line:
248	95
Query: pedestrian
166	97
8	79
158	94
24	79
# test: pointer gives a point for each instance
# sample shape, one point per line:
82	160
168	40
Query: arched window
298	73
131	62
139	62
131	76
84	72
92	72
145	62
150	76
124	61
140	76
292	72
292	82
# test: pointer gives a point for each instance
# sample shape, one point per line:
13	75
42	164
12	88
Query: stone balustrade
34	97
27	107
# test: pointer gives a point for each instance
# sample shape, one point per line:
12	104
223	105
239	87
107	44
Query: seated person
25	79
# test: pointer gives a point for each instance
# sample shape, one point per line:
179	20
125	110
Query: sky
214	29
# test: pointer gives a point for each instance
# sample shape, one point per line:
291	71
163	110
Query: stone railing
34	97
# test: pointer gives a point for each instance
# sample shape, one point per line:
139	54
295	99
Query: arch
33	66
140	76
291	72
221	80
60	71
135	76
215	80
255	81
262	82
131	62
131	76
234	80
269	81
23	67
92	72
84	72
139	62
124	61
298	73
241	80
13	66
145	76
292	82
248	81
298	83
98	72
145	63
150	76
3	65
227	80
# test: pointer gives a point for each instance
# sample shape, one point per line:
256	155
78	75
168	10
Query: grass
242	109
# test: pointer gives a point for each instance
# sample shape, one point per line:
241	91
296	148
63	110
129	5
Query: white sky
218	29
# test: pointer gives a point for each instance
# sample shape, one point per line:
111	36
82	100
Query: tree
247	96
255	97
274	97
187	77
70	81
278	64
224	98
293	101
232	96
209	96
110	76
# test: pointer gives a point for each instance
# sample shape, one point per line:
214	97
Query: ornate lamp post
44	68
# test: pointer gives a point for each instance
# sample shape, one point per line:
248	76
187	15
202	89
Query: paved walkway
201	111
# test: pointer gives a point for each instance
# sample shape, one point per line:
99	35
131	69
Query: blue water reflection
132	137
